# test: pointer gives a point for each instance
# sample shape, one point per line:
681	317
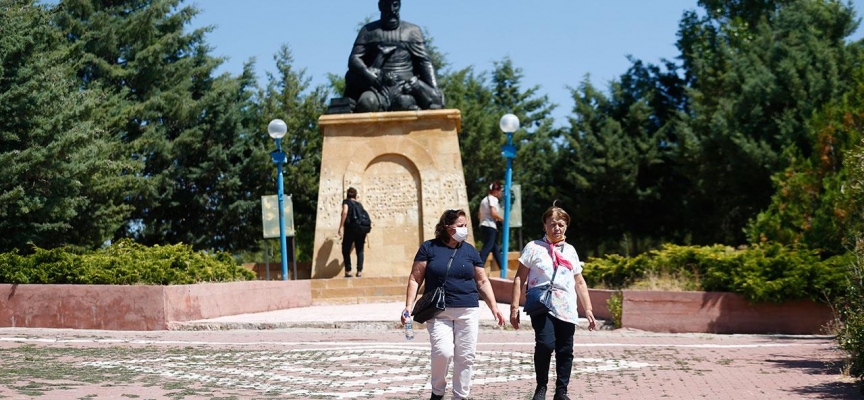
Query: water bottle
409	326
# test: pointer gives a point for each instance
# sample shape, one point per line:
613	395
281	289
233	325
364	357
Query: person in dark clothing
351	237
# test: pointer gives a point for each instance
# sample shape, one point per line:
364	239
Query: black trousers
490	243
552	334
358	240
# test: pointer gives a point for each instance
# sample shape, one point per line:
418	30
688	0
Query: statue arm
357	65
422	63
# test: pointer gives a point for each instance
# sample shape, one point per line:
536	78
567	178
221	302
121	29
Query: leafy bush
762	273
123	263
851	306
851	312
616	307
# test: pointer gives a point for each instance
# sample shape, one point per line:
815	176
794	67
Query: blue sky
555	42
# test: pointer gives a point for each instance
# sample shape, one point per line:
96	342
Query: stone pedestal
407	169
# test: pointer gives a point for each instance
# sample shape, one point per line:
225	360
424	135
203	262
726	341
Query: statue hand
374	76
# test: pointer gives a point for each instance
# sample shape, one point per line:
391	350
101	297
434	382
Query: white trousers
453	335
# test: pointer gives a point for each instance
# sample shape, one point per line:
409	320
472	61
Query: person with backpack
356	225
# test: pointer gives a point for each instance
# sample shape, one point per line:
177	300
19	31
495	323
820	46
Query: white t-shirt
488	202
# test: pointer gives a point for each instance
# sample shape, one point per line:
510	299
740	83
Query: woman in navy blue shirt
452	333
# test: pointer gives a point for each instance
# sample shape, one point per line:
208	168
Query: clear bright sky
555	42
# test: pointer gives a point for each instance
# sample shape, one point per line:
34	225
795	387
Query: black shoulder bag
432	304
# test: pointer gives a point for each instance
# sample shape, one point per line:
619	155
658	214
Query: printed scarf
557	256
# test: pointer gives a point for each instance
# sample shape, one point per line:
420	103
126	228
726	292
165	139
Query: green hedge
123	263
763	273
851	311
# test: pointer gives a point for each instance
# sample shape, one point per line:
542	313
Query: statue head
389	13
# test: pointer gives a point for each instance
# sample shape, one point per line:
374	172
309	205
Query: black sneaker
539	393
436	396
560	396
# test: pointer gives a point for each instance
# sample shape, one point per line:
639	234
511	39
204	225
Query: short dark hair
495	186
556	212
447	219
351	193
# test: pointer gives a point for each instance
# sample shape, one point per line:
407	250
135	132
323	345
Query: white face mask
461	234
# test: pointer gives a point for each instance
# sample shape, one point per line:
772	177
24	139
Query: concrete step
334	301
368	291
335	283
358	290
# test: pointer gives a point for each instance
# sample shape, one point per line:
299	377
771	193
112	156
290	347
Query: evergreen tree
172	114
483	100
598	165
622	159
650	104
809	207
288	96
62	180
757	71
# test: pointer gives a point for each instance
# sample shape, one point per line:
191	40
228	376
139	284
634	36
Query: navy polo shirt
460	287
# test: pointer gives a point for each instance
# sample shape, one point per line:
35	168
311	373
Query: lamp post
277	129
509	123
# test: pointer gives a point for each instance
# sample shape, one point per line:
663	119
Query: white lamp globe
277	128
509	123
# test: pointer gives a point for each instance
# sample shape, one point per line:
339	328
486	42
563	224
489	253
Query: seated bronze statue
389	68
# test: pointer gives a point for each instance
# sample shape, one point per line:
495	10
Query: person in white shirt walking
489	215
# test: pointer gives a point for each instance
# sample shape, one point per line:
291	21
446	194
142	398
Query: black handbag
538	299
428	306
432	304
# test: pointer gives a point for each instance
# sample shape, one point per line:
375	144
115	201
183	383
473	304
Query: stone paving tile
380	364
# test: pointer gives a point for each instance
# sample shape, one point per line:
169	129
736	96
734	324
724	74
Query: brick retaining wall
708	312
714	312
142	307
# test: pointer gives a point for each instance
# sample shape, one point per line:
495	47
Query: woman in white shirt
488	215
540	262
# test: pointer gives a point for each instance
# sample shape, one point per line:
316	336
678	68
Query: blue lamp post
277	129
509	123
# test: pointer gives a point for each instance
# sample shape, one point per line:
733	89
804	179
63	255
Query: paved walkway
352	316
370	359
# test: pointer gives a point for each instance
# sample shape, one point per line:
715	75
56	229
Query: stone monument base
407	169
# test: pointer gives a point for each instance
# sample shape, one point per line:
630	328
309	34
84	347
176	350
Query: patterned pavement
312	363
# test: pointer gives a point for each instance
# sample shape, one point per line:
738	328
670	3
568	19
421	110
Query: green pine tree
483	99
288	96
809	207
62	177
598	169
188	127
757	72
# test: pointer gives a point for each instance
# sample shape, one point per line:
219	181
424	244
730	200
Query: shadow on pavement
812	367
834	390
843	388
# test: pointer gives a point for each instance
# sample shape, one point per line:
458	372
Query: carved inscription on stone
390	192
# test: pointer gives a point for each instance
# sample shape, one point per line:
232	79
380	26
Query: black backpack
358	218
